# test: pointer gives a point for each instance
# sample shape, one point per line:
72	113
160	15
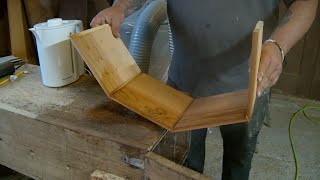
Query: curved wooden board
223	109
254	66
153	100
107	57
120	77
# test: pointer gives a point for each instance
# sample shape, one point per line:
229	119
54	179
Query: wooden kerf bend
121	79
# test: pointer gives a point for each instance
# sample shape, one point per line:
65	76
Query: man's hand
270	67
115	14
112	16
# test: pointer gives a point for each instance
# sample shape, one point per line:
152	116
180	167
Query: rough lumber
81	106
22	45
102	175
159	168
45	151
69	132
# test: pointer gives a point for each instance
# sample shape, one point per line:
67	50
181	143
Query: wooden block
107	57
228	108
254	66
102	175
153	100
120	77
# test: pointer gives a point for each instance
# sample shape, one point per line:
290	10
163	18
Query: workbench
72	131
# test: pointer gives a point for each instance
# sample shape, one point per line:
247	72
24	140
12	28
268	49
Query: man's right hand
113	16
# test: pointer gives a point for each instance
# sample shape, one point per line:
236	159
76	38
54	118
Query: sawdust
34	97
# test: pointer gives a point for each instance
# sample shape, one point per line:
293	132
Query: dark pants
239	143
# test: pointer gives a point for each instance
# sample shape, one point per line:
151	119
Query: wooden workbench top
81	106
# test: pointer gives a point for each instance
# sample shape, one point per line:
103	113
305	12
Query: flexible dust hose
145	31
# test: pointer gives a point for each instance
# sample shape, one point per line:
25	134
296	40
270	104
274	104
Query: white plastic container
60	63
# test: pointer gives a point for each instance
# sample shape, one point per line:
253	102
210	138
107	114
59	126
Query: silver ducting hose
171	47
144	32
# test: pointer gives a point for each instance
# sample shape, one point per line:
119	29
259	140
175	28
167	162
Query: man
212	43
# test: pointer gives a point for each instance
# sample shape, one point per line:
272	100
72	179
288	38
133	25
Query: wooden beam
45	151
159	168
102	175
22	45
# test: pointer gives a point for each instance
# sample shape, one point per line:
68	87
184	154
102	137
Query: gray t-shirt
212	42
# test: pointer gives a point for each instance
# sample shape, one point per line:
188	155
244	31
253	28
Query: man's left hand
270	67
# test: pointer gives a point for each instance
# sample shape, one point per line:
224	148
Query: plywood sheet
154	100
107	57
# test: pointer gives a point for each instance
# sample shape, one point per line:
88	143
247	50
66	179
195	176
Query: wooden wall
17	16
4	30
84	10
301	75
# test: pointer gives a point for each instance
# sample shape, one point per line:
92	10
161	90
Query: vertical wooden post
22	45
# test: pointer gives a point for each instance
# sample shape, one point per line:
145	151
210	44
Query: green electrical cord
302	110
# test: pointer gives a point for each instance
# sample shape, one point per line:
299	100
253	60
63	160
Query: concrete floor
274	158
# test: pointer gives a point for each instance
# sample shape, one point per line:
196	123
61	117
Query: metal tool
6	68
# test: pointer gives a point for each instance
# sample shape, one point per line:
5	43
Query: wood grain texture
159	168
154	100
228	108
4	32
21	42
102	175
107	57
81	107
45	151
71	139
120	77
39	11
254	66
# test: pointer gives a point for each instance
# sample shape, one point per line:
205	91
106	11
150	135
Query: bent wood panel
107	57
228	108
153	100
120	77
254	66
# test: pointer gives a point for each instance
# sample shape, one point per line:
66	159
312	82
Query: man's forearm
295	23
129	6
